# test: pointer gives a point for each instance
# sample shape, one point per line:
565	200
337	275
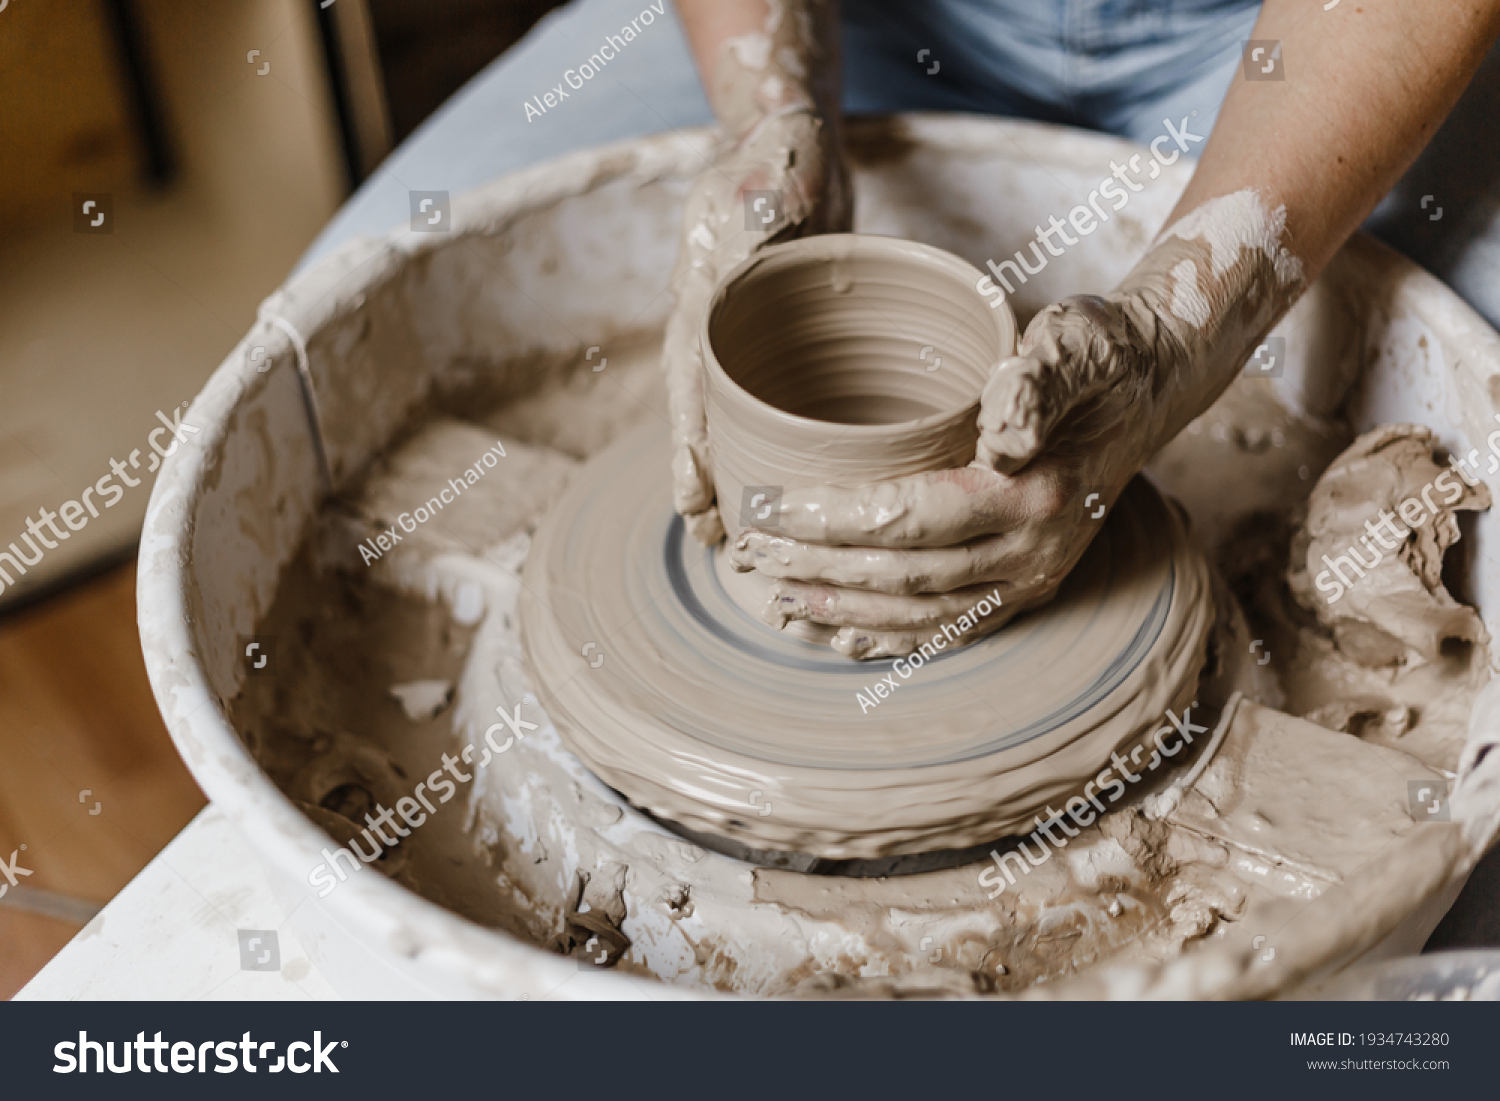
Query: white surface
172	933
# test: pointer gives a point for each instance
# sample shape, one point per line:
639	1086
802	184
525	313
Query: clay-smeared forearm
1365	89
758	57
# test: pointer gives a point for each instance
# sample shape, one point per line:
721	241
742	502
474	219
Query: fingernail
788	603
773	612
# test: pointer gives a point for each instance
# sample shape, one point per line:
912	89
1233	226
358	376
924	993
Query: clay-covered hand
1099	385
791	154
892	562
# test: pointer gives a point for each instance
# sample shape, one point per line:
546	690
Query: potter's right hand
889	563
1099	384
791	155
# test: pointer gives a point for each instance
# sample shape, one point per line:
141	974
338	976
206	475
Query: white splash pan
566	254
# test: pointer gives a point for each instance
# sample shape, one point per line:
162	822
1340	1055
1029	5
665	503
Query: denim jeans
1119	66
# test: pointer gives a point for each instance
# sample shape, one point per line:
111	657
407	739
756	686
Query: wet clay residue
392	668
1394	659
1368	556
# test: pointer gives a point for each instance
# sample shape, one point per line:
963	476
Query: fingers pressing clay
967	625
692	476
935	509
787	156
1014	417
828	604
707	526
1019	560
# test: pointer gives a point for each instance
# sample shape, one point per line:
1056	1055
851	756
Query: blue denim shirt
1113	65
1121	66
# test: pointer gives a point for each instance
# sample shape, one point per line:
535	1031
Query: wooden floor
90	785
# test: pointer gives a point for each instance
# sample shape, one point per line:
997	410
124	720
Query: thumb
1022	402
1068	356
692	473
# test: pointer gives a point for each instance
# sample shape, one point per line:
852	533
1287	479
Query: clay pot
842	360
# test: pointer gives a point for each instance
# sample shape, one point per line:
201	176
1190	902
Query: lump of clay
1367	559
1299	808
1386	719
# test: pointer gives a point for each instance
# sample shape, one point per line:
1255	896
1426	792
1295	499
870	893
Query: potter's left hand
1098	386
791	153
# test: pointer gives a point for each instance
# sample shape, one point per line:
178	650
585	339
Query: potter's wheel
706	717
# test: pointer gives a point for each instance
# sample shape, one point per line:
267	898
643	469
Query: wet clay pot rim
831	248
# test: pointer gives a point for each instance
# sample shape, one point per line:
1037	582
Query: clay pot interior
834	329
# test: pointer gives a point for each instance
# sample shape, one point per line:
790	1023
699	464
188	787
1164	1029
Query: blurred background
163	164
